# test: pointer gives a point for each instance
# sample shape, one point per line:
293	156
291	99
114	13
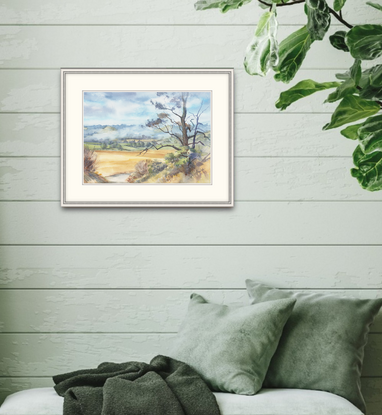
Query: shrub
142	168
156	167
90	160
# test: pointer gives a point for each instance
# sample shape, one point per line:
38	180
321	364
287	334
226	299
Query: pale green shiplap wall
81	286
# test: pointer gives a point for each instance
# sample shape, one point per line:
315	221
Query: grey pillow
231	347
322	346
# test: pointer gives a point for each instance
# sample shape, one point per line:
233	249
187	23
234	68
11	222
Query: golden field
117	162
111	165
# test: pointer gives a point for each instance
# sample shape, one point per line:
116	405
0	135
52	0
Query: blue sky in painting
132	108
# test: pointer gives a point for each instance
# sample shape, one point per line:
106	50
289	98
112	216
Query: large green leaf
368	169
367	157
349	86
365	42
318	18
352	108
301	90
223	5
346	88
338	40
375	5
292	53
351	132
338	4
356	71
343	76
371	83
353	73
262	52
370	135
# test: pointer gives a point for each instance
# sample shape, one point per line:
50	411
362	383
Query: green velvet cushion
322	346
231	347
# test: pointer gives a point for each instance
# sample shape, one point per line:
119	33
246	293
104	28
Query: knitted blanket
163	387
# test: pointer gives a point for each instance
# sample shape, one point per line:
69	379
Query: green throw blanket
163	387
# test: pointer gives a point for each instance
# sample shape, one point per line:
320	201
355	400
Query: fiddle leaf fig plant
356	93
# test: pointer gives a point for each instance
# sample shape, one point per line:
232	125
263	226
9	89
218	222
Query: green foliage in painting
358	94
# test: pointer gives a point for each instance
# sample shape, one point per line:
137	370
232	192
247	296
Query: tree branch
169	109
197	117
170	133
158	148
206	158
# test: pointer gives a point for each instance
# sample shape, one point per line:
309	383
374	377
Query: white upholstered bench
45	401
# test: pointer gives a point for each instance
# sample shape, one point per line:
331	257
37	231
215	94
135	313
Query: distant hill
109	128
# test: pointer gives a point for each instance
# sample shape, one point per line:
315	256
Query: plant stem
282	4
292	3
340	19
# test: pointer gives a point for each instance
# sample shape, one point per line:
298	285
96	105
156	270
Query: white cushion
45	401
285	402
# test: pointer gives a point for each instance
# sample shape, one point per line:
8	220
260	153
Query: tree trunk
183	119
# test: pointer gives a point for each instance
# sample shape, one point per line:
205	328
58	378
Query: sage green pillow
231	347
322	346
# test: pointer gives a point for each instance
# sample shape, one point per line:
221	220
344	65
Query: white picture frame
209	185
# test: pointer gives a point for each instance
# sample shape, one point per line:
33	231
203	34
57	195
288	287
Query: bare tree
176	122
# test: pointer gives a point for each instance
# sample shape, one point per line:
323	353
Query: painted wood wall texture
81	286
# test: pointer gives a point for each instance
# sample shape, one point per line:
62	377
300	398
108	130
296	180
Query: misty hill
123	131
109	128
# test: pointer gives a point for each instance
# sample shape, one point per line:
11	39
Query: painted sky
133	108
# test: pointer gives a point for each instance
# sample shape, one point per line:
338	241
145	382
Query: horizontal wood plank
264	135
107	311
26	355
31	135
371	389
257	135
160	13
33	355
143	46
39	91
30	91
23	267
257	179
257	223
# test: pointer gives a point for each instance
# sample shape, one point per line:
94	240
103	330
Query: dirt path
118	178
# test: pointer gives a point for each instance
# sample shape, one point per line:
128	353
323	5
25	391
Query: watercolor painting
147	137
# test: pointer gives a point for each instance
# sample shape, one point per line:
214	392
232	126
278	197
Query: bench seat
45	401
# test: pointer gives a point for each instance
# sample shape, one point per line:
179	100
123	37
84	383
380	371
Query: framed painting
147	137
